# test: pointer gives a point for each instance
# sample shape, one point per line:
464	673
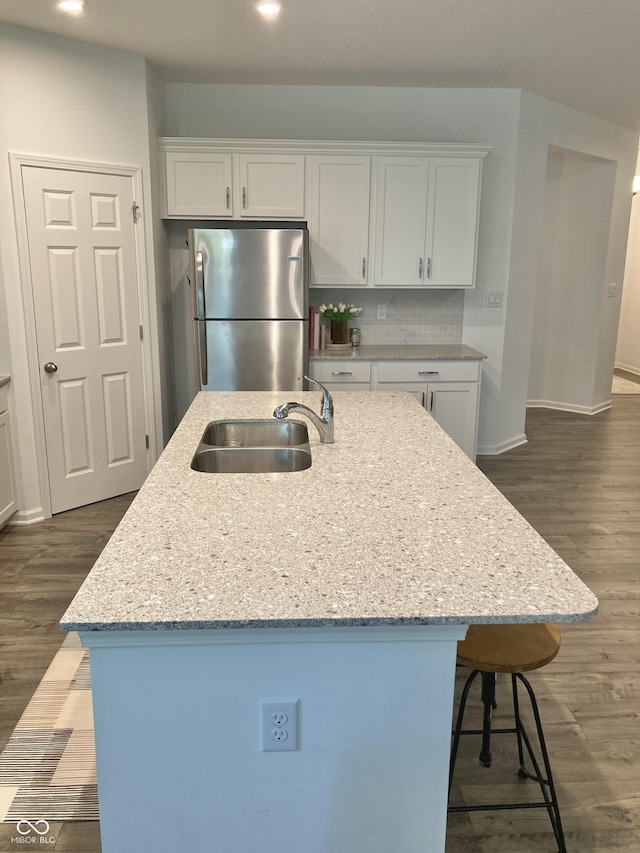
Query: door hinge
135	210
146	441
141	333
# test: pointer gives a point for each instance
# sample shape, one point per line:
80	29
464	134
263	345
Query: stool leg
550	796
489	702
458	729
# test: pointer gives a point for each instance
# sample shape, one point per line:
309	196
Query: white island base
180	766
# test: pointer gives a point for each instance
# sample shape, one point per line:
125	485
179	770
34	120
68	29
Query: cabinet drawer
341	371
428	371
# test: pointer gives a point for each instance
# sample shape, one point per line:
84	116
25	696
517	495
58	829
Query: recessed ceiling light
268	8
72	7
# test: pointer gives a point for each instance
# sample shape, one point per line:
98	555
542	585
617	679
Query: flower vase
339	332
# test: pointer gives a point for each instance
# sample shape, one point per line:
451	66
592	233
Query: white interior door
85	292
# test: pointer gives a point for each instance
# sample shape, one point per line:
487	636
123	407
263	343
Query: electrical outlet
382	312
278	725
612	288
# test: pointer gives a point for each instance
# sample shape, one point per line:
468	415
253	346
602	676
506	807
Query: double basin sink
253	447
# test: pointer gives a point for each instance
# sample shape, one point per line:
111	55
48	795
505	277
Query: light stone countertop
392	524
397	352
4	380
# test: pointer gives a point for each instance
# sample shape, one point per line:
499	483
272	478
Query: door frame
134	173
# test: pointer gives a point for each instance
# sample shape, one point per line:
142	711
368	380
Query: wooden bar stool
487	650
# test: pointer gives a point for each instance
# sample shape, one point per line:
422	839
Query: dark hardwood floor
577	481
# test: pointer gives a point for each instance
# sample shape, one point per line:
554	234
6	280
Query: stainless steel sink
253	447
255	433
251	460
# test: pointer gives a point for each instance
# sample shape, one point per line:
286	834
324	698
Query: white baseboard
628	368
567	407
502	447
27	516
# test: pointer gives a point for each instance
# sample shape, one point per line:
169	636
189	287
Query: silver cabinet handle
428	267
430	401
364	267
343	373
420	268
50	367
228	197
428	373
244	198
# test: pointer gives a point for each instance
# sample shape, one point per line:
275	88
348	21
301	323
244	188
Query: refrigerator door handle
200	303
200	315
202	349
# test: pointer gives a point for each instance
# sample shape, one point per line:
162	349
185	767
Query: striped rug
48	767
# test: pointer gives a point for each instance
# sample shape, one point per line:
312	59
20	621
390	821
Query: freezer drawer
253	355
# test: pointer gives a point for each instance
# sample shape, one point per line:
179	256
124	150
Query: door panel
85	294
452	221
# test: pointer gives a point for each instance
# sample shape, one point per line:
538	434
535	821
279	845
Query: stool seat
509	648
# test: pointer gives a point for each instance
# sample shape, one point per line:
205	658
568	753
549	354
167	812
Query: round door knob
50	367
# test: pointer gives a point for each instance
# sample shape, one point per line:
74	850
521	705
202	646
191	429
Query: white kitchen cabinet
272	185
426	221
199	184
8	503
449	390
379	214
401	214
452	221
224	185
339	219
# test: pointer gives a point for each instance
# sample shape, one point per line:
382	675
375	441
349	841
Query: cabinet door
7	482
452	221
198	184
272	185
339	219
401	210
454	406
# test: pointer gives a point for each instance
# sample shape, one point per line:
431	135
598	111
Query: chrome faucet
323	422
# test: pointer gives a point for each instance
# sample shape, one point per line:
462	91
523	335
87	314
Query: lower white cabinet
447	389
7	480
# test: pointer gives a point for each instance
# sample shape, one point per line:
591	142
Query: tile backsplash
412	316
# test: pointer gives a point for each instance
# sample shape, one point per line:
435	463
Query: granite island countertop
391	525
397	352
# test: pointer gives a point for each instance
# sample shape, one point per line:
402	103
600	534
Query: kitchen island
343	588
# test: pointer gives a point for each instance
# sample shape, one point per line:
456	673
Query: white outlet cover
279	725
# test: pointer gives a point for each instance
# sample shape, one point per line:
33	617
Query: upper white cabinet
339	219
379	214
401	216
198	184
453	204
426	221
207	181
272	185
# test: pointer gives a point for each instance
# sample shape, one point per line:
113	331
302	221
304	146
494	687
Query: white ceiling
582	53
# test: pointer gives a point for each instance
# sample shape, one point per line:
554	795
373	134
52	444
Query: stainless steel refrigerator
251	307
